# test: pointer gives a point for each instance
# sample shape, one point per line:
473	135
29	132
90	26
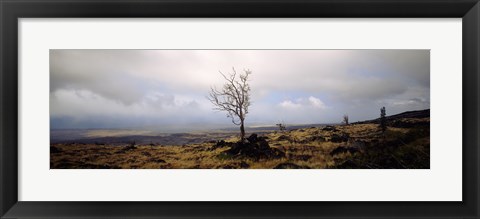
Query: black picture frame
12	10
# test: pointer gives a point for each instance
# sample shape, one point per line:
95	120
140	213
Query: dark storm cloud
105	72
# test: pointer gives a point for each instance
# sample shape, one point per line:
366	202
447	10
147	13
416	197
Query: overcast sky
167	89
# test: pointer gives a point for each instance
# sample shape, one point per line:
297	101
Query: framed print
276	118
226	109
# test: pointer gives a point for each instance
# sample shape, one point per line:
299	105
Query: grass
306	148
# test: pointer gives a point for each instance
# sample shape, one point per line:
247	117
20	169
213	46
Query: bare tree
345	119
282	126
233	98
383	120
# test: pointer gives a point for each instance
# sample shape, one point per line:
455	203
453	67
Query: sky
167	89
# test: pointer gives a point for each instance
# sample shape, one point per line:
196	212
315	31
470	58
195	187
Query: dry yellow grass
305	148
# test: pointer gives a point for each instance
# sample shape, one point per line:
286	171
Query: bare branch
233	98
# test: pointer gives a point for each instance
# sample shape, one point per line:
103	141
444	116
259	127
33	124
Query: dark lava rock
313	138
388	162
318	138
349	165
221	144
408	124
236	165
253	138
340	138
244	164
259	149
300	157
228	167
97	166
343	149
55	150
329	128
157	160
63	165
289	166
359	144
283	138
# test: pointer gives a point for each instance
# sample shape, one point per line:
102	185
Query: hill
405	115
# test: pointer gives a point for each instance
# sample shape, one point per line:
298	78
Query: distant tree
345	119
281	126
233	98
383	120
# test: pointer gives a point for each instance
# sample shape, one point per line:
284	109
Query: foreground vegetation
404	144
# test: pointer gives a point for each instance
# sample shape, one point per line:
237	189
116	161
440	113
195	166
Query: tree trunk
242	133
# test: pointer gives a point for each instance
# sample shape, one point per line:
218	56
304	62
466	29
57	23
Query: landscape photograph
239	109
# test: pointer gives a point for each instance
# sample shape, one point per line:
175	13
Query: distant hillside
405	115
122	137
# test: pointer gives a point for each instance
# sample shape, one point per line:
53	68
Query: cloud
315	102
170	86
290	105
303	102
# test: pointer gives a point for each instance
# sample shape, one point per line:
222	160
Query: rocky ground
405	144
